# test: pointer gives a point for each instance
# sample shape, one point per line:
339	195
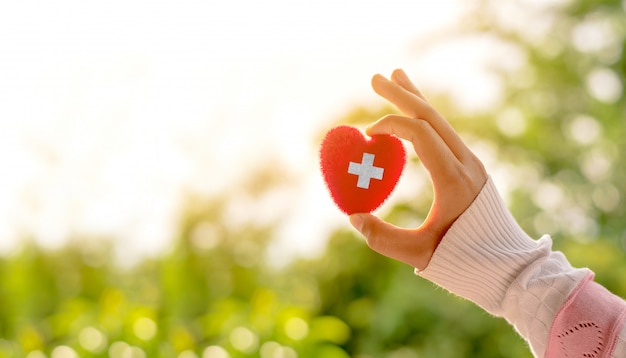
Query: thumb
394	242
358	222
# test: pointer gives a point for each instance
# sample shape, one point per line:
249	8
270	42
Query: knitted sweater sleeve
487	258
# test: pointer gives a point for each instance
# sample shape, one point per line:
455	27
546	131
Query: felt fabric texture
360	173
487	258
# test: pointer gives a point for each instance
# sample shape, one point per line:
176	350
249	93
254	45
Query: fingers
406	101
409	100
429	146
394	242
457	174
399	76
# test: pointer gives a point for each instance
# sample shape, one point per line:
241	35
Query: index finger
436	156
398	76
416	107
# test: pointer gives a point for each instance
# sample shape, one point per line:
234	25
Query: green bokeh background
556	138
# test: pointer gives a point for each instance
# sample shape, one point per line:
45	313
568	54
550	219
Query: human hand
456	173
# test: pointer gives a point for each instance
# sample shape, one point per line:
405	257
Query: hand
456	173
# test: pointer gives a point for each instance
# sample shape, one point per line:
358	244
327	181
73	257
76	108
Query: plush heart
360	172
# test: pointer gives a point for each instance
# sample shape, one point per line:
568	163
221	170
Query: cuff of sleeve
484	252
588	323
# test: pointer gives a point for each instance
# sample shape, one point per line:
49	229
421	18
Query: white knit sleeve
487	258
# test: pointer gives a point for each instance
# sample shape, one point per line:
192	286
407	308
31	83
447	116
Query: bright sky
110	111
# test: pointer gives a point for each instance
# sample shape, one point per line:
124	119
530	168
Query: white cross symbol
366	171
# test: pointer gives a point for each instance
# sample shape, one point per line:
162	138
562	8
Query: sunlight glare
114	111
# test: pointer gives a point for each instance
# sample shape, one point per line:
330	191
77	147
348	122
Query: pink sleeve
588	323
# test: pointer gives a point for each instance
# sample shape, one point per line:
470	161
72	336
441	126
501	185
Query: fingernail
357	221
401	75
378	78
400	72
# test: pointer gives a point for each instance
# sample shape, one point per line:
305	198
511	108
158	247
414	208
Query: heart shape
360	173
583	340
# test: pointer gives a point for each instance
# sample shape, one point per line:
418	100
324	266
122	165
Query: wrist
485	254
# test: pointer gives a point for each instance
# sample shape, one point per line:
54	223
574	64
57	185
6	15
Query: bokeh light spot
596	165
511	122
273	349
269	349
63	352
604	85
244	340
187	354
584	129
124	350
548	196
593	34
205	236
296	328
92	339
145	328
215	352
116	350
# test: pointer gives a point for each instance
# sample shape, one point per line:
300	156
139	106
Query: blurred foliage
559	127
555	138
213	295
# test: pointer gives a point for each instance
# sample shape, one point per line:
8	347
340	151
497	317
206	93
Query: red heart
360	173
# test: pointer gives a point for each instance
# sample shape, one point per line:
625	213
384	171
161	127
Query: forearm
487	258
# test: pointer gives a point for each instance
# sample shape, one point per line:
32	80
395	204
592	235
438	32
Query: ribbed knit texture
487	258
